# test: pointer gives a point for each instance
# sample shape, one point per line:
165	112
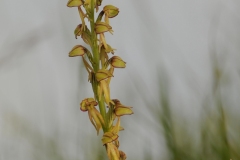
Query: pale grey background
41	87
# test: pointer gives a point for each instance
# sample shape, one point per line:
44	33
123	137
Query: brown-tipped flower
117	62
95	117
74	3
111	11
120	109
101	27
77	50
86	103
103	74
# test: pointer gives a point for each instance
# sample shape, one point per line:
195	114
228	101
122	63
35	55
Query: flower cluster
100	65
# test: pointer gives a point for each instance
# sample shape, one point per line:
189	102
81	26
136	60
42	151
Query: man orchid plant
100	66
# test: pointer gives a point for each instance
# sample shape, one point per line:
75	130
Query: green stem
94	39
96	60
102	109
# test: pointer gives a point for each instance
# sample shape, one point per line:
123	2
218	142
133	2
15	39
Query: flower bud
74	3
117	62
101	27
111	11
102	74
77	50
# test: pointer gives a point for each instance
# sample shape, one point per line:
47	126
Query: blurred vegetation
217	137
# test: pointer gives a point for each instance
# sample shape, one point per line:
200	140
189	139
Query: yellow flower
117	62
120	109
111	11
77	50
95	117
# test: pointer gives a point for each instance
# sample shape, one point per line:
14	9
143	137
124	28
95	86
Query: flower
117	62
110	11
95	117
77	50
101	27
120	109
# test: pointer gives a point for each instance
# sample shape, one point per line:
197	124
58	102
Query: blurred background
182	80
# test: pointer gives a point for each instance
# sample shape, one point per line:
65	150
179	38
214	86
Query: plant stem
96	59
